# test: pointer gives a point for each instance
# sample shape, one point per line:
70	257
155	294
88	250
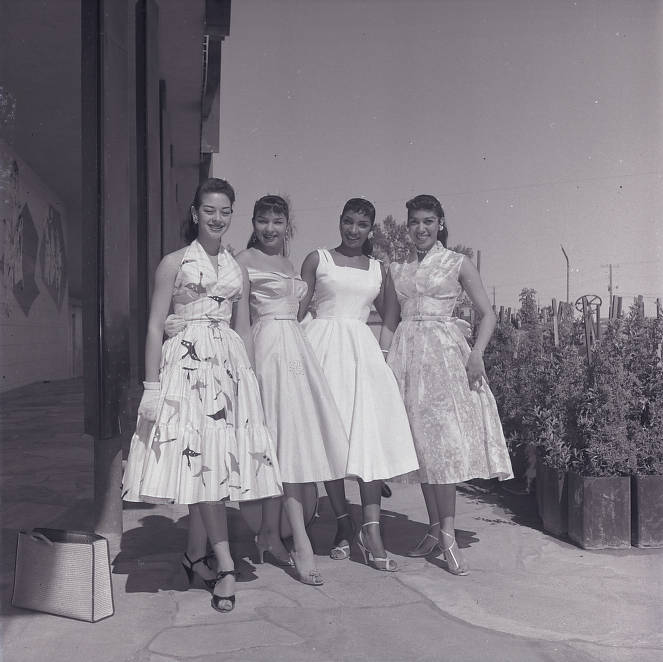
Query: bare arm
240	320
309	267
471	281
392	313
164	279
379	300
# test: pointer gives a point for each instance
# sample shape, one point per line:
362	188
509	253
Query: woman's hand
173	325
147	408
475	369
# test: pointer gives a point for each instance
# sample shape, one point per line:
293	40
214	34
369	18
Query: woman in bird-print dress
453	416
201	437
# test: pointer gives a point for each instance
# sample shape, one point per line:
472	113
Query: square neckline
345	266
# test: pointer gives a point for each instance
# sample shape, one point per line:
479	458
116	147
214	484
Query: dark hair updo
211	185
365	207
277	205
430	203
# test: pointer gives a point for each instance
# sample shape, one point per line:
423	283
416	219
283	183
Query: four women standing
331	406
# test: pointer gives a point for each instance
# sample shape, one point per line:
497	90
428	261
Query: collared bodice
201	293
274	294
428	288
345	292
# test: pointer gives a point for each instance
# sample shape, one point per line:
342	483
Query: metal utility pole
610	267
567	272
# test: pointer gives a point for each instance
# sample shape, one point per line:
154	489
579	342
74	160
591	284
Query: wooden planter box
554	500
647	511
600	511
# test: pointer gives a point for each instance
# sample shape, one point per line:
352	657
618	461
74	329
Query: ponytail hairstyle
365	207
430	203
211	185
277	205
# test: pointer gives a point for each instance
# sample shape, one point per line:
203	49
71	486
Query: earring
195	218
371	234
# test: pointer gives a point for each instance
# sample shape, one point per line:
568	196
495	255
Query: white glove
147	408
173	325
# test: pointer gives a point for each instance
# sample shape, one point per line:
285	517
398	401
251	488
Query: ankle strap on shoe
343	515
225	573
367	523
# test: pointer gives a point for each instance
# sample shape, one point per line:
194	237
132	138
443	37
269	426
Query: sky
536	123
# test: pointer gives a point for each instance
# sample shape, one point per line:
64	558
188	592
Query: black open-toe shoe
217	600
191	572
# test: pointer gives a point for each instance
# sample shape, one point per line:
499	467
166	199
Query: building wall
35	316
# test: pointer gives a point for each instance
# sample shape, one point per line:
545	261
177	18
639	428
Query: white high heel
385	563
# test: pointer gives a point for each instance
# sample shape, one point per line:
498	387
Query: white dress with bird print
209	441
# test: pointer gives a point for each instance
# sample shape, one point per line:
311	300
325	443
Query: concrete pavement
529	596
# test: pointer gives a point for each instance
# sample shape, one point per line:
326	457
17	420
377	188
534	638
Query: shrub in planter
599	484
647	482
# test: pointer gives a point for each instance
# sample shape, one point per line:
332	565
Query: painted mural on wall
52	257
20	246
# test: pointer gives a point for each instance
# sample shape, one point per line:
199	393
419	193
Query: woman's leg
294	508
269	536
370	493
445	496
344	527
429	543
213	515
196	544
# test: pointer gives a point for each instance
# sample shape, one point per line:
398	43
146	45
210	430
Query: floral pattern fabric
457	432
210	441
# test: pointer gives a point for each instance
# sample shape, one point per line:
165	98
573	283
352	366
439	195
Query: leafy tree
529	312
390	240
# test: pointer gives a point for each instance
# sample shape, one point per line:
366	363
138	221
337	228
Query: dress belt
278	316
427	318
208	321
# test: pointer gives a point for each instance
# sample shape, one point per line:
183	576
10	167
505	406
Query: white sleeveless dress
362	384
299	408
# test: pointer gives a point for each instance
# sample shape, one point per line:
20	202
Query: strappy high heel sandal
191	573
385	563
312	578
427	545
218	600
266	550
341	552
456	566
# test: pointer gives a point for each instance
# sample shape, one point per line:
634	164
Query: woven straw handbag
66	573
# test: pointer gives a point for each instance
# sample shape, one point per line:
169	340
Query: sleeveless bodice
345	292
275	294
201	293
428	288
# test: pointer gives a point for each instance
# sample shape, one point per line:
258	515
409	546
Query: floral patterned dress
210	441
457	432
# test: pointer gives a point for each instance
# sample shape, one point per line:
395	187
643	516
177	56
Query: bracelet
151	386
385	351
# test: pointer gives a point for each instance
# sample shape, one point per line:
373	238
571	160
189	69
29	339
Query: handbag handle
40	537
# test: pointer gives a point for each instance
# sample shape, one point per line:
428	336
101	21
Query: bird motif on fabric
262	459
234	464
157	442
190	350
198	386
201	474
175	406
219	300
218	415
188	454
198	287
229	409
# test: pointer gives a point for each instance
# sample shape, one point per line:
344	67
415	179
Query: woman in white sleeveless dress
346	282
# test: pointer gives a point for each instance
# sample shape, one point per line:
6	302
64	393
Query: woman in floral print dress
452	412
